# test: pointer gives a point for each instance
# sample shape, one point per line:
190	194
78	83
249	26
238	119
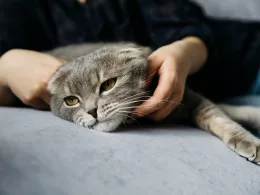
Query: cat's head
99	90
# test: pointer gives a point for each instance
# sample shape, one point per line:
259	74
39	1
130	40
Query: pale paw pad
247	147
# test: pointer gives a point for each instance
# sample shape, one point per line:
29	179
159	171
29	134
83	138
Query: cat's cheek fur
56	106
108	126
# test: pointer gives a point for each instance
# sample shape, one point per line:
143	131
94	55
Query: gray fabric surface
42	154
232	9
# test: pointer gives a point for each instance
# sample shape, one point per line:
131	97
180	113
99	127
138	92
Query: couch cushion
232	9
42	154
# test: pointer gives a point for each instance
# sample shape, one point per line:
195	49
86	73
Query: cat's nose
93	112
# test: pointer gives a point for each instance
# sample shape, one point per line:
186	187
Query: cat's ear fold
56	81
146	51
135	51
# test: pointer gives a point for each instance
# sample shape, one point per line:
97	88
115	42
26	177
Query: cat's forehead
88	72
106	63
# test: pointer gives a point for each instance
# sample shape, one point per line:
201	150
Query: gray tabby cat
100	84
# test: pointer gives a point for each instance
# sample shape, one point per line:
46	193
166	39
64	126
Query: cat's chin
107	126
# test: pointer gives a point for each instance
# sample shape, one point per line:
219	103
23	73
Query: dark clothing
235	63
45	24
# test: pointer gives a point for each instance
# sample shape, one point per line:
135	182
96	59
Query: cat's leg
247	115
209	117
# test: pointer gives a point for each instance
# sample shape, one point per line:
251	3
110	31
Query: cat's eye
107	85
71	100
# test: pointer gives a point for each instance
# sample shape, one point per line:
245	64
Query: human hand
26	73
172	63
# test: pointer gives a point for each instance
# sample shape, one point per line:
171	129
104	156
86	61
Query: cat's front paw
246	146
83	122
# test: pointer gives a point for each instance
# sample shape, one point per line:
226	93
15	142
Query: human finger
170	105
162	92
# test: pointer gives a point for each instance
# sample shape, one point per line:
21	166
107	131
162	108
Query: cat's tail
247	115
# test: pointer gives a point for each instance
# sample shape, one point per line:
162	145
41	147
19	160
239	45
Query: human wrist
196	53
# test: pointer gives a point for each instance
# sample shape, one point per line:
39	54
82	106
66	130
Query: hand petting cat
172	63
25	74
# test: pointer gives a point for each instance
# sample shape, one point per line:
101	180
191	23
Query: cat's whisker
145	105
123	111
118	105
127	115
133	119
151	76
124	105
163	101
141	96
119	113
143	114
116	111
136	95
136	98
124	124
127	111
130	102
130	107
139	113
122	121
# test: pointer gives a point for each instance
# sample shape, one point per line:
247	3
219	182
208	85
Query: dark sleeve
22	25
170	20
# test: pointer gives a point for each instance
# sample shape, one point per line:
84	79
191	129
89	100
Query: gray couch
41	154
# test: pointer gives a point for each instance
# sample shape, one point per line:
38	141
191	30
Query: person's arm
26	74
22	26
184	43
167	21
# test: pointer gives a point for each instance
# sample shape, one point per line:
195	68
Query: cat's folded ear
57	81
146	51
133	51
